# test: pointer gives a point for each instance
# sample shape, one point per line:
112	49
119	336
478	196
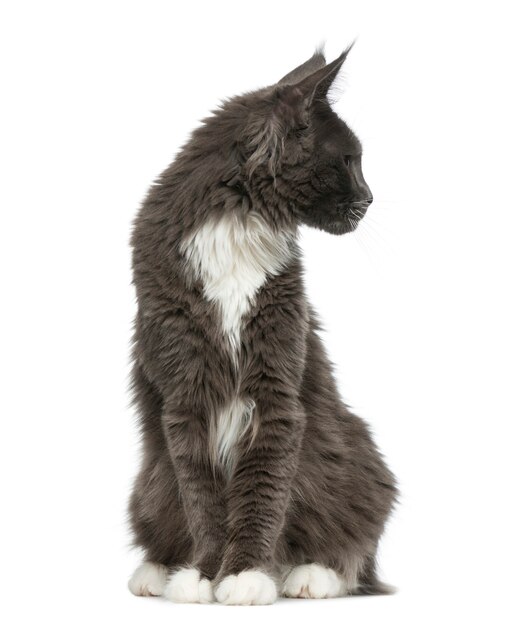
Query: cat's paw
313	581
249	587
187	585
149	579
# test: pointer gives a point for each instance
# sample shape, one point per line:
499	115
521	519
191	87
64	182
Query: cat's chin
340	224
338	227
341	228
333	227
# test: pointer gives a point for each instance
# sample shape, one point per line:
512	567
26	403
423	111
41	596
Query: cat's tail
370	584
375	588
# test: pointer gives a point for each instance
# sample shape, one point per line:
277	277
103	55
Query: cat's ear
288	110
317	84
295	99
316	62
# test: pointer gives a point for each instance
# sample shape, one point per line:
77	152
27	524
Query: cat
256	479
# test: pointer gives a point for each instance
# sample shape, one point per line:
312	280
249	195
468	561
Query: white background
425	330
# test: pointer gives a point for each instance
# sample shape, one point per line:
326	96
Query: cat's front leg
257	501
202	493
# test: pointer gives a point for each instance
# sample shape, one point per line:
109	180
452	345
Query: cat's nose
362	204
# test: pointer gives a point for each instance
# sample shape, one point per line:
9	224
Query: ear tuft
316	62
317	85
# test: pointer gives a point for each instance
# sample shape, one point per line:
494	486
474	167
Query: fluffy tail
370	584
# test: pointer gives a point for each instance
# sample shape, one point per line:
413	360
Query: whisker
365	250
377	225
377	236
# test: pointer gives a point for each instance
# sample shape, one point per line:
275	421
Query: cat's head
300	151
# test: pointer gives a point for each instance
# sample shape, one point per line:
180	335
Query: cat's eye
347	159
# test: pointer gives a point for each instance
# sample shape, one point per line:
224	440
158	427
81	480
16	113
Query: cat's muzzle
353	212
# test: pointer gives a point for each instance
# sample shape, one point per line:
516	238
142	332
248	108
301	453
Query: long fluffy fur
252	465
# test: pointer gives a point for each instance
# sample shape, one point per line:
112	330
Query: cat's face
316	158
337	194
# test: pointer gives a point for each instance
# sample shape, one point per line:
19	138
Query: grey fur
308	484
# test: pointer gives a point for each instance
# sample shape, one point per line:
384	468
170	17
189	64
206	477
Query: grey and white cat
256	479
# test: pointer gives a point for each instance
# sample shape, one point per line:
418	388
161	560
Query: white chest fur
233	256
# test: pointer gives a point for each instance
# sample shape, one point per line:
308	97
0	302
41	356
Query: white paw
313	581
249	587
186	585
148	580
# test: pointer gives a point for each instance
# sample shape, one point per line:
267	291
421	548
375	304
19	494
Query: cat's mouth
351	213
349	216
340	219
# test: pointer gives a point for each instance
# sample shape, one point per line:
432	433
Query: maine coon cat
256	479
